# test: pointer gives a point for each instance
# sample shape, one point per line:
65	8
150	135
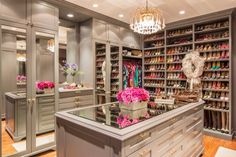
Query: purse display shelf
212	39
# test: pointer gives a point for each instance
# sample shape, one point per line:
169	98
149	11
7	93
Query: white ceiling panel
170	8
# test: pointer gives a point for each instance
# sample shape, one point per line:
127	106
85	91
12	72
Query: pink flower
130	95
45	84
124	121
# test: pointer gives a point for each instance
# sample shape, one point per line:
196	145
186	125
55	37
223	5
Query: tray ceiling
170	8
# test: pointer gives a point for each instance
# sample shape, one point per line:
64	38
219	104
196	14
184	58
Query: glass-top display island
106	131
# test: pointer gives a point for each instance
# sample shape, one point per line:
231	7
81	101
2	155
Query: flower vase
48	90
134	110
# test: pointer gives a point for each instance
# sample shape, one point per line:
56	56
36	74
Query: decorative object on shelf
104	66
147	20
21	79
186	97
21	57
51	45
65	69
45	87
74	71
193	68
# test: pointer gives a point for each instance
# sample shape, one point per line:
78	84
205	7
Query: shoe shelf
100	53
179	42
215	109
154	63
148	71
212	38
215	90
114	78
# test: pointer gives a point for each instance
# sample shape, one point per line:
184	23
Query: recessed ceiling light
121	15
182	12
95	5
70	15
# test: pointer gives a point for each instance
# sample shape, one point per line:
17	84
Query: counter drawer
85	98
135	143
67	100
84	92
46	99
161	131
66	106
84	103
146	151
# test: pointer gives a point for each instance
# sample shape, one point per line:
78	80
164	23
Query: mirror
13	98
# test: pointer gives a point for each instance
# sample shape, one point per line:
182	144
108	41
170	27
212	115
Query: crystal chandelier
147	20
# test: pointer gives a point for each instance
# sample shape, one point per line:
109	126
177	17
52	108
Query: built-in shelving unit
100	53
154	63
212	40
115	79
163	54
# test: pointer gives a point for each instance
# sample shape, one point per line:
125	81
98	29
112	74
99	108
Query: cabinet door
130	39
114	33
14	10
44	15
100	30
137	41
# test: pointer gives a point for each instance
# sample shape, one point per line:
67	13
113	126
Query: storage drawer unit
171	138
73	99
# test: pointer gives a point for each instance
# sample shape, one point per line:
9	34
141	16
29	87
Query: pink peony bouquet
132	95
44	84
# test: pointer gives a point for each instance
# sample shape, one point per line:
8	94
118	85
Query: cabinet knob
145	152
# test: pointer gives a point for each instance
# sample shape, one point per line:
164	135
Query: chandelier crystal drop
147	20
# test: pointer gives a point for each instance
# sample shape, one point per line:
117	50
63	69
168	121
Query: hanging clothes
132	74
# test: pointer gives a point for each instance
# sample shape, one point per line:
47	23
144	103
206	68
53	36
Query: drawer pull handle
144	153
195	132
195	118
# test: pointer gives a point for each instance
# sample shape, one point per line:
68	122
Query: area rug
21	146
225	152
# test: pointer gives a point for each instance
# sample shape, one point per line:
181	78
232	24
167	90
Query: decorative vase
48	90
134	110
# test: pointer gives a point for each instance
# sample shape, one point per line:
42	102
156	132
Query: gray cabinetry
36	12
45	114
130	39
114	34
44	15
77	98
177	133
16	115
106	31
100	30
13	10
